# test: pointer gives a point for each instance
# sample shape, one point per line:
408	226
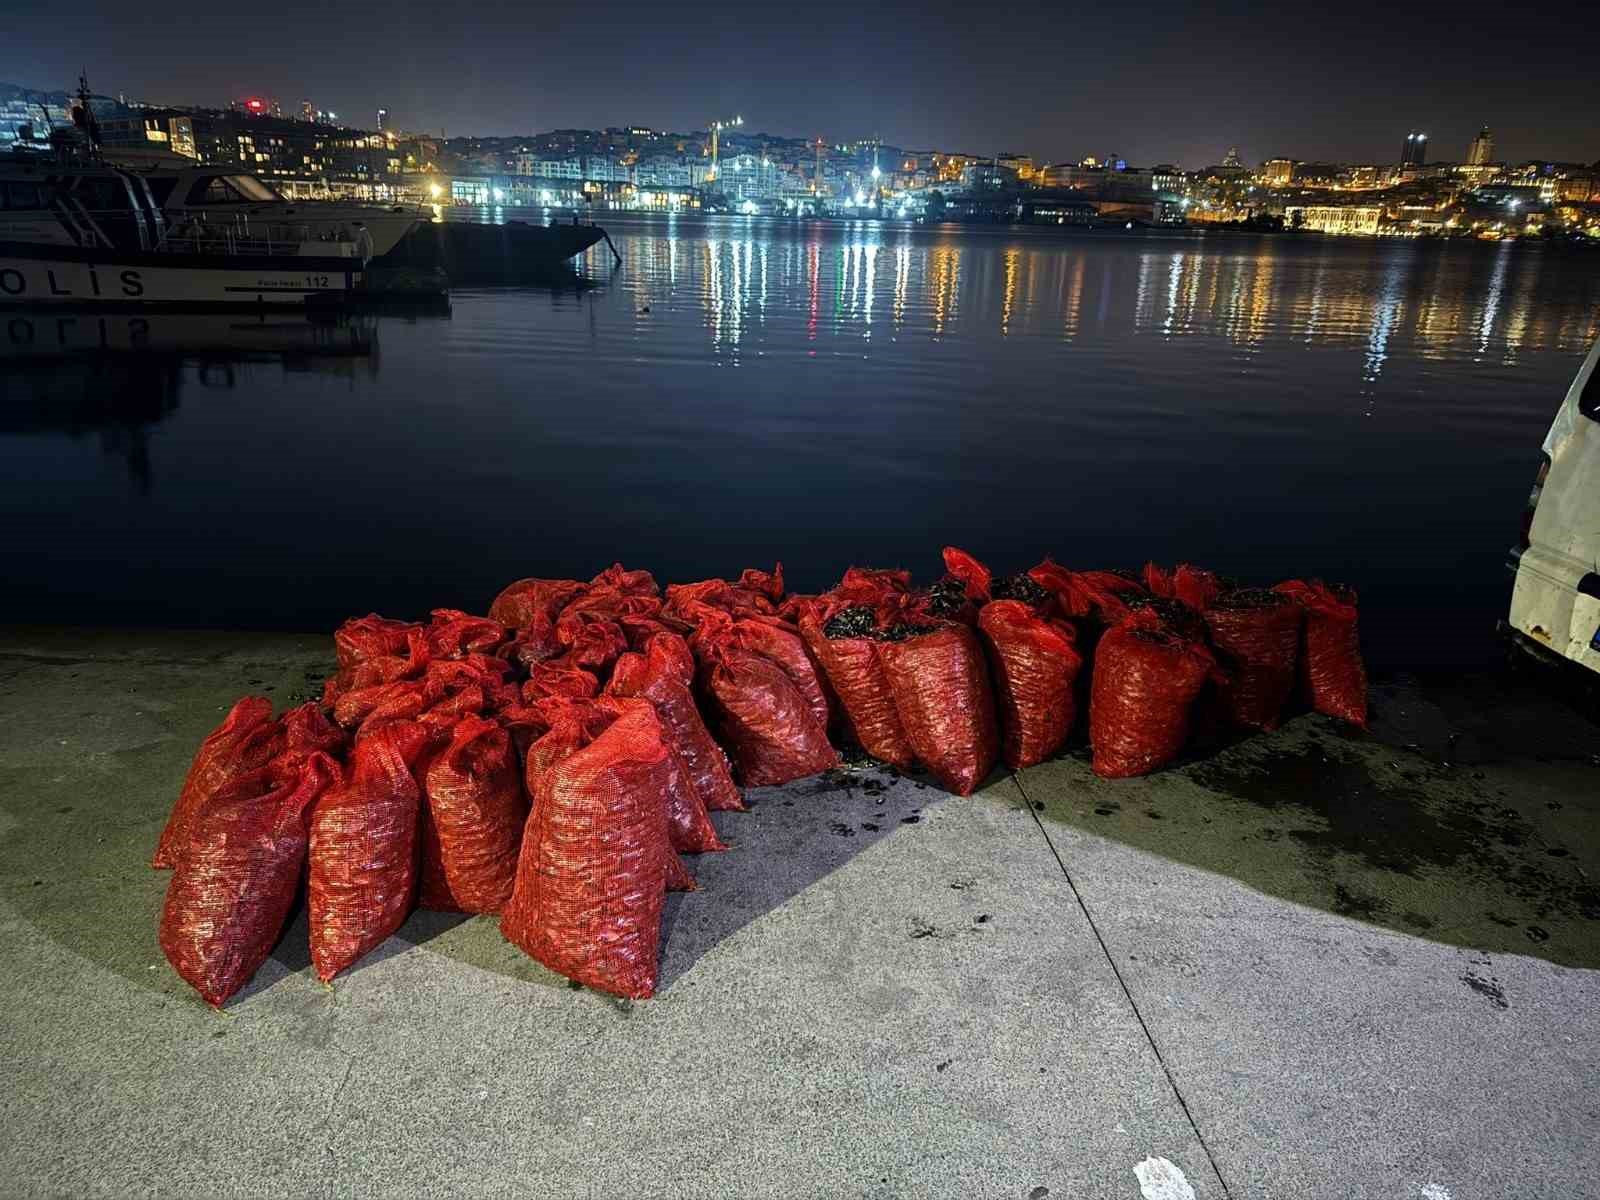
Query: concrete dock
1312	964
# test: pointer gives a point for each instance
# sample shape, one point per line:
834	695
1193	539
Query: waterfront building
1022	164
1481	150
1277	172
1414	153
1170	210
1369	178
1168	179
1344	219
272	147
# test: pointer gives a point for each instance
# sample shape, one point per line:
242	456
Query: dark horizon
1162	84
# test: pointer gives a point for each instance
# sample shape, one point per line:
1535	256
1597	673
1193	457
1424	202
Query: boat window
161	189
21	196
253	190
100	194
231	189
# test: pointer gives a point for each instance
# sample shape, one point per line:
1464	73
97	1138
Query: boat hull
32	275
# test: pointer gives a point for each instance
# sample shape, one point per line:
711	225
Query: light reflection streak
1429	303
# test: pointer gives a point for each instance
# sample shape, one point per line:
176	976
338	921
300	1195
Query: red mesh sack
612	604
371	636
868	585
783	645
550	679
1146	679
1100	596
532	644
380	669
473	791
855	673
1257	638
766	583
364	849
246	740
669	652
402	700
307	729
1035	666
756	594
591	643
639	630
453	633
1194	586
594	861
520	604
1334	671
771	731
976	578
688	806
941	692
238	876
658	675
633	583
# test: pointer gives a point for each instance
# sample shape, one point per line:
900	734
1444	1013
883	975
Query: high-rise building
1481	150
1232	159
1415	152
308	111
383	120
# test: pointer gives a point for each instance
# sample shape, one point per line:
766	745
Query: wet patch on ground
1412	818
1425	826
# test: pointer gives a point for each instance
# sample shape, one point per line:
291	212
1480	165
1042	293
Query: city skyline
1162	85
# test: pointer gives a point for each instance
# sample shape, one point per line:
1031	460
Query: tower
1415	151
383	120
1482	148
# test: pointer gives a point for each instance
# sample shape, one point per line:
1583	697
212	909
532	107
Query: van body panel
1547	604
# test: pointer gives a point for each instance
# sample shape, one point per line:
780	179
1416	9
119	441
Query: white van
1555	603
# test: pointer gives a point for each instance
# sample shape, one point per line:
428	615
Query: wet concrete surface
1317	962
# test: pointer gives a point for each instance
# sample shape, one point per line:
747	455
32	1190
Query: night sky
1153	81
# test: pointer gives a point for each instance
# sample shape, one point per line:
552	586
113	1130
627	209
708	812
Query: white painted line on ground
1434	1191
1160	1179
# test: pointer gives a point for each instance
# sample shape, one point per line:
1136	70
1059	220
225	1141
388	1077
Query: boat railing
199	232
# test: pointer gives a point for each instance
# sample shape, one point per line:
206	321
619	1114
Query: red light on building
256	105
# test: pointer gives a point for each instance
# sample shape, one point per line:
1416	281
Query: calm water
743	390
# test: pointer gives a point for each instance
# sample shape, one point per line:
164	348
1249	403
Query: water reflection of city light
1013	255
1427	303
1491	304
902	275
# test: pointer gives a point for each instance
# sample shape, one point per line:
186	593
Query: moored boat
88	233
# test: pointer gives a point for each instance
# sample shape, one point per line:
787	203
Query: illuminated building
1344	219
1022	164
1481	150
1277	172
269	146
308	112
1232	161
1170	210
1414	153
383	120
1169	179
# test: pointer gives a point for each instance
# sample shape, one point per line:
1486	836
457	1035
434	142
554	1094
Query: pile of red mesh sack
548	763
